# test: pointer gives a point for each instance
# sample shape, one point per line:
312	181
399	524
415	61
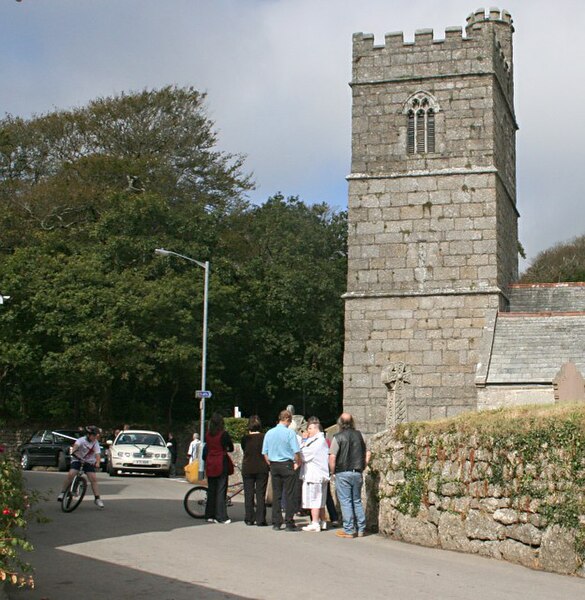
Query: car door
47	449
33	448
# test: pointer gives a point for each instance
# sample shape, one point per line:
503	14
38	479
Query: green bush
236	427
15	505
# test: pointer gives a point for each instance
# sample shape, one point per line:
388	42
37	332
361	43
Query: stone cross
394	376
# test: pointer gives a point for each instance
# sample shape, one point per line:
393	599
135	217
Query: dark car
50	448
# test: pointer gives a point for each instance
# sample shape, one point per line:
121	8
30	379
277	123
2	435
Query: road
144	545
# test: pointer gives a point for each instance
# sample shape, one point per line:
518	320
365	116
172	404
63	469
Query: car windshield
150	439
67	435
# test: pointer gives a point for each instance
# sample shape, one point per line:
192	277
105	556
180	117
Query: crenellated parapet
487	33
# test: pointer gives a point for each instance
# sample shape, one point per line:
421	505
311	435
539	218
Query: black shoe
291	528
249	522
276	527
264	524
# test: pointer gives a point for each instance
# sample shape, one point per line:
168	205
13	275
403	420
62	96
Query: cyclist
86	449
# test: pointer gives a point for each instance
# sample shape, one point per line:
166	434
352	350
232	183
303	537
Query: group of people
293	460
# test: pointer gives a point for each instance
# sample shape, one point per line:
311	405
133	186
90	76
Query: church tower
433	239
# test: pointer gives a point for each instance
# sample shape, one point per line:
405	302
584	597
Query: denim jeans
348	485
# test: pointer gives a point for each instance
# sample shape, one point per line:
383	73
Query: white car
137	451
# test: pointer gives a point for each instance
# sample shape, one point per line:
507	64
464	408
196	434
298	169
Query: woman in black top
255	474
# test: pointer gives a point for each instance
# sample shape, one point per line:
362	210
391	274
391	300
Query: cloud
276	73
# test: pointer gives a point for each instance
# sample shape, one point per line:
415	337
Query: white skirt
314	494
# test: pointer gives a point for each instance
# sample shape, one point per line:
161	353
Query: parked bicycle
74	494
196	498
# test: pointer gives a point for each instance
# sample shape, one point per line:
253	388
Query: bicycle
74	494
196	498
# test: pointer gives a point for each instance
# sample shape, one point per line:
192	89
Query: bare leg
72	473
94	485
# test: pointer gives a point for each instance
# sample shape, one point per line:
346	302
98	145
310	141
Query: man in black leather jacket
348	458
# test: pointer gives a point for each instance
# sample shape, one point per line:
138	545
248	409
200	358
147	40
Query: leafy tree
563	262
99	328
289	269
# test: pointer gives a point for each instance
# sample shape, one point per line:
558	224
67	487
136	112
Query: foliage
563	262
236	427
15	507
100	329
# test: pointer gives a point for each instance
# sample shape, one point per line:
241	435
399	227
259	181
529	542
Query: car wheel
111	471
62	461
25	461
163	473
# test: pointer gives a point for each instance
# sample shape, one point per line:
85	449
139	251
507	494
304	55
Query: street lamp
205	266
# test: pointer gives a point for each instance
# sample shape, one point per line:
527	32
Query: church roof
544	328
531	348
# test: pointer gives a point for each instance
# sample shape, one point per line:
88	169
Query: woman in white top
315	474
193	452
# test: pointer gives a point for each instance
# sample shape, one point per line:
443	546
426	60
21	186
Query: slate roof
532	348
544	328
541	297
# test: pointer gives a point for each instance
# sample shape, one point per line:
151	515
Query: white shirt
193	449
86	450
315	455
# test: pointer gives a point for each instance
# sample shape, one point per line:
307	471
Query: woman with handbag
218	466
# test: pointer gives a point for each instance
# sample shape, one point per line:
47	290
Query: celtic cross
394	376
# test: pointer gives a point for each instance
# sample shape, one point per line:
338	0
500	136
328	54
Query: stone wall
469	494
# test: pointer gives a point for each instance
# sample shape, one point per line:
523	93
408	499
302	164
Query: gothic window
420	135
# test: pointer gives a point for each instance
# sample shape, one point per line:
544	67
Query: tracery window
420	110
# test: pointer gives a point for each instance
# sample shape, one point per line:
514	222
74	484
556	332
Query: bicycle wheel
195	501
74	494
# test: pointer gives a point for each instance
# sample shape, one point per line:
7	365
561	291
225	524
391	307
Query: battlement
422	37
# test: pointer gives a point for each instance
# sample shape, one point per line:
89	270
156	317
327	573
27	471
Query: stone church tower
433	242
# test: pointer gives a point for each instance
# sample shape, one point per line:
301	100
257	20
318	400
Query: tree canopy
562	262
99	328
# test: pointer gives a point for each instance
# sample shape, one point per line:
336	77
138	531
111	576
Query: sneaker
226	522
323	525
98	502
361	534
211	521
60	497
291	528
276	527
312	527
342	534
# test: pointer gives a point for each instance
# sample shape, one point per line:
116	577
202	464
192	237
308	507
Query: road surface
144	545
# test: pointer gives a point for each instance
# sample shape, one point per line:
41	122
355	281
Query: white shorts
314	494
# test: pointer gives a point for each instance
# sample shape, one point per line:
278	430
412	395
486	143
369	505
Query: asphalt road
144	545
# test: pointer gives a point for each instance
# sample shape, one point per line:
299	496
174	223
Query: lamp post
205	267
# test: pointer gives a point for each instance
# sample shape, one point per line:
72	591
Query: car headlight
127	454
120	454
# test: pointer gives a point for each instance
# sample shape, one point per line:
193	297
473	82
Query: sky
276	75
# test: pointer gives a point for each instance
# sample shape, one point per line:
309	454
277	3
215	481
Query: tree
85	197
98	328
563	262
288	270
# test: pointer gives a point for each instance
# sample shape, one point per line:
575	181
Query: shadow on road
62	575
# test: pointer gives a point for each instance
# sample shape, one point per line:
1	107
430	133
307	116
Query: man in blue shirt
281	452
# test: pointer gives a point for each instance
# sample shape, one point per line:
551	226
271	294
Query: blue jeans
348	485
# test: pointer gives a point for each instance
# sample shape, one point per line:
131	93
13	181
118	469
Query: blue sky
276	74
